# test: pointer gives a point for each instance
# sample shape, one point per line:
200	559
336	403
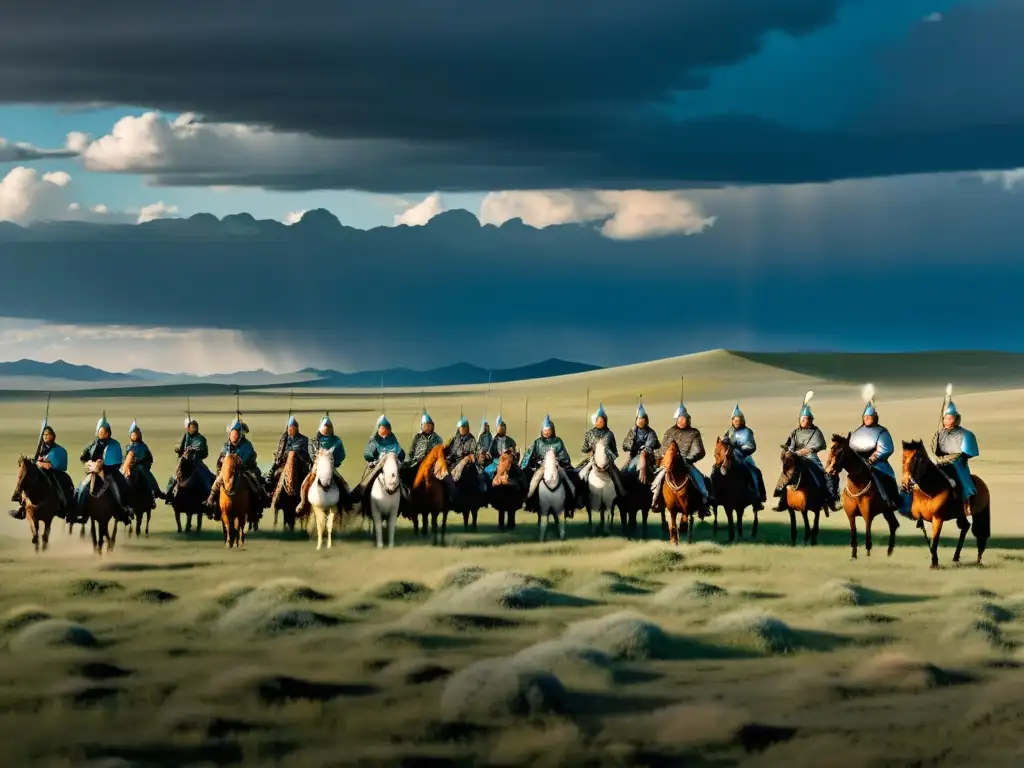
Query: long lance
526	419
46	421
487	396
682	389
586	415
942	408
382	395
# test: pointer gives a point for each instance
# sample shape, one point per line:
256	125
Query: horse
100	507
803	495
186	496
677	492
934	501
322	493
140	495
234	501
730	489
553	496
638	495
385	499
506	495
426	498
468	498
601	487
860	496
286	498
40	499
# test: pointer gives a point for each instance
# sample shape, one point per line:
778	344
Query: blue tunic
143	457
244	451
377	446
331	443
109	450
56	455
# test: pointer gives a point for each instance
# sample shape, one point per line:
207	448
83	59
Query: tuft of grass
92	587
274	607
683	594
899	672
981	631
756	629
22	616
494	690
660	561
462	577
838	593
158	596
52	633
621	635
504	589
399	590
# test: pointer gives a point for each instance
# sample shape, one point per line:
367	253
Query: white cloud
626	214
419	214
20	152
156	211
933	18
1009	179
294	217
76	142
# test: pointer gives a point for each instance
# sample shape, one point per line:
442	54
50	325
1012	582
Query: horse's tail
981	514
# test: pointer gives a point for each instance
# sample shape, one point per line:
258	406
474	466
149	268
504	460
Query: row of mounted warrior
952	445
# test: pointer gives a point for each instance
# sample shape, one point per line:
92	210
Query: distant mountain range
451	375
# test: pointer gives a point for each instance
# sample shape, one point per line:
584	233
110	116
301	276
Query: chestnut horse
677	494
286	498
234	501
426	498
506	495
803	495
730	489
100	507
935	502
637	500
39	497
140	495
860	496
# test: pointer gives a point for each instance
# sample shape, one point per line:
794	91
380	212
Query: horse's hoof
888	552
934	566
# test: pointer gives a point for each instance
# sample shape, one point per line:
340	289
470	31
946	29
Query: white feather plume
868	392
949	389
808	396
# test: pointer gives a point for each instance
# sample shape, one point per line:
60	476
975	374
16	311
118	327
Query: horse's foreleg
542	524
199	524
731	520
739	523
444	526
936	533
753	530
714	523
46	533
111	539
792	525
227	531
33	528
690	524
964	525
318	516
852	519
377	523
807	525
392	525
95	535
501	521
560	519
868	520
330	525
673	528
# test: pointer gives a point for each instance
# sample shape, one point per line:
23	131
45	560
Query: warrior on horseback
873	443
143	459
953	446
691	450
422	444
640	438
599	433
483	442
501	443
533	465
52	459
740	438
807	441
238	445
328	441
292	440
192	445
105	448
381	443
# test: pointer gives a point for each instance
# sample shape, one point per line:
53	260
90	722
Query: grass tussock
893	671
683	594
755	629
494	690
21	616
621	635
52	633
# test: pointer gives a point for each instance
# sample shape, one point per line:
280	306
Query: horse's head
388	472
789	459
914	456
723	456
551	468
671	455
230	466
25	467
324	467
505	461
838	454
185	468
602	458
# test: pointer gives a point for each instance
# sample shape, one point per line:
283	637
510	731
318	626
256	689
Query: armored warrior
193	444
533	464
238	444
291	440
483	442
873	443
807	441
641	437
52	459
143	461
326	439
953	446
501	443
691	450
599	433
105	448
740	438
462	443
423	443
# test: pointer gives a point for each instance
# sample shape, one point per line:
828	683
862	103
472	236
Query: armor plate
742	438
865	439
959	440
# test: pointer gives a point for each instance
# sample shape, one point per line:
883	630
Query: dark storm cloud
863	265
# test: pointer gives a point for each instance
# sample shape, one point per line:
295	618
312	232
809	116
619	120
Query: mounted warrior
52	459
328	441
807	441
501	443
484	441
105	448
143	461
381	442
292	440
239	445
740	438
873	443
640	438
533	465
599	433
953	447
193	444
691	449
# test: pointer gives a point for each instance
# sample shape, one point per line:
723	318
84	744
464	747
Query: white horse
385	499
551	496
323	496
602	487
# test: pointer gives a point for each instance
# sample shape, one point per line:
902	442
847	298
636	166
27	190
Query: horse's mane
671	454
913	445
839	438
426	468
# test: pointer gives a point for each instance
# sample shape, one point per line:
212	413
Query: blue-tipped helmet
681	411
599	414
499	422
806	411
737	413
483	423
237	425
548	424
641	413
102	423
869	410
292	421
383	422
462	422
326	421
132	428
425	418
950	409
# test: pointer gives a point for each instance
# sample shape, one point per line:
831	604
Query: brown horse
186	496
426	497
730	488
803	495
935	502
140	495
637	500
506	495
100	507
677	493
40	499
286	498
234	501
860	496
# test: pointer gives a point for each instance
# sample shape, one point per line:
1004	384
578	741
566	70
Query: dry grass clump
21	616
683	594
893	671
621	635
398	590
52	633
497	689
756	629
274	607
